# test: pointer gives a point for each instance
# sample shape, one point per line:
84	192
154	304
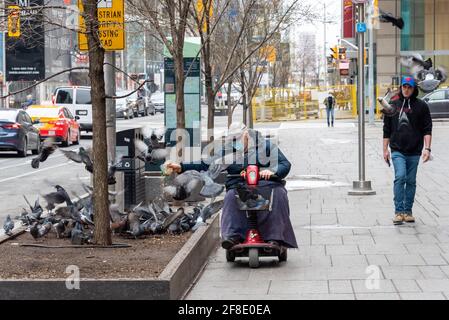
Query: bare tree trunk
180	114
210	99
102	233
242	76
228	98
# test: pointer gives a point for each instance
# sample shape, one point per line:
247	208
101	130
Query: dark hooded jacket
409	124
260	154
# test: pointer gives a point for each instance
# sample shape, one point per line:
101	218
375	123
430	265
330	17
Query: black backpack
330	102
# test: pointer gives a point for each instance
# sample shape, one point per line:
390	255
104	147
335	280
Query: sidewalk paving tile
298	287
349	260
422	296
377	296
404	286
340	286
433	272
377	259
405	260
433	285
369	286
342	249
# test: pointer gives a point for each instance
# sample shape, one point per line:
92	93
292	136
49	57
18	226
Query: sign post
361	187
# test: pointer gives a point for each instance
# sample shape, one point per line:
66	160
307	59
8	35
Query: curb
173	283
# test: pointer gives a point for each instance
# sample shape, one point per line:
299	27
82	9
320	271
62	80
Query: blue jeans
330	112
405	169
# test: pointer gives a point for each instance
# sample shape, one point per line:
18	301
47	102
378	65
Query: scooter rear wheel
253	255
230	256
283	255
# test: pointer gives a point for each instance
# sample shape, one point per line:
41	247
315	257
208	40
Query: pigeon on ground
8	225
39	230
48	147
207	212
172	218
60	228
77	235
118	219
135	227
28	218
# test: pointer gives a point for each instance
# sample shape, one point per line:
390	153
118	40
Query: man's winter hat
408	80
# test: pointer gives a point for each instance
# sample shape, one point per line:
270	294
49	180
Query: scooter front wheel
253	255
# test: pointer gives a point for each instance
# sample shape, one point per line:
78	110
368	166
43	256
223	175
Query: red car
57	122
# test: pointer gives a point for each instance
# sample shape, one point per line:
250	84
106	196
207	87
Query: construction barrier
283	104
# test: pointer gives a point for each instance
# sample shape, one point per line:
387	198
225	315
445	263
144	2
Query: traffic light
13	21
334	53
342	53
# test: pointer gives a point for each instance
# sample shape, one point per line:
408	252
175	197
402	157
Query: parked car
149	106
17	132
78	101
123	109
438	102
57	122
137	103
158	100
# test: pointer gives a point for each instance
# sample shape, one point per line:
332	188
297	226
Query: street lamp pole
361	187
324	49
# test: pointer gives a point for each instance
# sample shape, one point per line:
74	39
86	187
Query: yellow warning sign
111	31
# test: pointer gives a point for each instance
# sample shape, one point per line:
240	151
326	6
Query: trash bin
133	168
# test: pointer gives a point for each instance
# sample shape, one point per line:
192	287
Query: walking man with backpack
329	102
408	133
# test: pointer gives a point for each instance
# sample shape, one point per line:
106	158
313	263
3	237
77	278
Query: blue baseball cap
408	80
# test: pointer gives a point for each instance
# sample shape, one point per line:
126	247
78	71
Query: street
18	178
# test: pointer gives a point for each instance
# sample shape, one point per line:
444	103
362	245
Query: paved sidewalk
347	240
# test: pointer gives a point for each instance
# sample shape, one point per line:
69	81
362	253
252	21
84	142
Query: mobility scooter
254	246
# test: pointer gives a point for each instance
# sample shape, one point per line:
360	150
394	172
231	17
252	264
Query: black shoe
230	242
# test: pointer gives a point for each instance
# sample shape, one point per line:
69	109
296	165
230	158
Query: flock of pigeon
76	220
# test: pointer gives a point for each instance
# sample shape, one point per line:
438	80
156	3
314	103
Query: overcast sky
333	12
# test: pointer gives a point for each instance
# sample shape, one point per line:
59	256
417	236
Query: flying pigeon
48	147
83	156
60	196
207	212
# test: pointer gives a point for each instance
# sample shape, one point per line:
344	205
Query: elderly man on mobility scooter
272	232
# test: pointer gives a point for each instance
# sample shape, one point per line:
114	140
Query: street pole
324	49
109	78
361	187
372	98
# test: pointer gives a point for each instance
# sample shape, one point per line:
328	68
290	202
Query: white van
78	100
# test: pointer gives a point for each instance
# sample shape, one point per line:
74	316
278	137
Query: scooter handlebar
272	177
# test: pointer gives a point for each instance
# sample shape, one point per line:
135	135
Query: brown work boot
398	218
409	218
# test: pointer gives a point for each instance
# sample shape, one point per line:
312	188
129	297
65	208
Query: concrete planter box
173	283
